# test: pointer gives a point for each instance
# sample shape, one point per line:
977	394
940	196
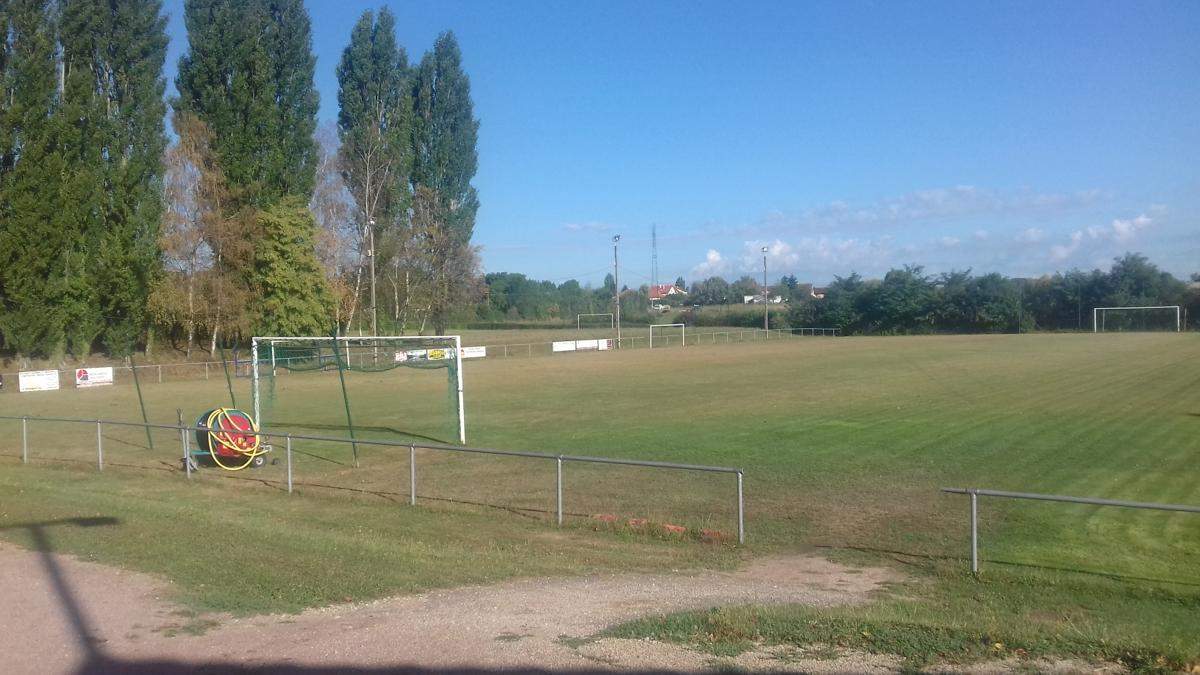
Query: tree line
251	220
905	300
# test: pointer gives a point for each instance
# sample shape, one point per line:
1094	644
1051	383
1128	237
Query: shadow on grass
363	427
95	661
914	559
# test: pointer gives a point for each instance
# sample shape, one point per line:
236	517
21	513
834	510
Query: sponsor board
581	345
38	380
93	377
423	355
473	352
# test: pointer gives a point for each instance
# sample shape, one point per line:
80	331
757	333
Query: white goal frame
1097	316
681	326
611	322
346	340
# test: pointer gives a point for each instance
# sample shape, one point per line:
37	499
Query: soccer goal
1153	317
665	340
385	384
599	323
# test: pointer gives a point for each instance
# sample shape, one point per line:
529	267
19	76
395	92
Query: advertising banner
93	377
38	380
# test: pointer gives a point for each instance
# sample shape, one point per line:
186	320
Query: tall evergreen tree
445	135
33	276
112	58
248	75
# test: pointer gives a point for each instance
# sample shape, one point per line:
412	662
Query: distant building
663	291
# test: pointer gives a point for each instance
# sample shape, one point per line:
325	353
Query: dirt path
536	623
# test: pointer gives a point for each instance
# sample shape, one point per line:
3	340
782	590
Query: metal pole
741	511
974	532
24	440
412	475
187	454
160	374
182	438
254	377
560	498
206	370
617	287
289	463
99	447
462	409
766	300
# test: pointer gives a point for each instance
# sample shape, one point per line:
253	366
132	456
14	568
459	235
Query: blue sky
1015	137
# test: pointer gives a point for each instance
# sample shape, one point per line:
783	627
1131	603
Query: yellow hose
219	436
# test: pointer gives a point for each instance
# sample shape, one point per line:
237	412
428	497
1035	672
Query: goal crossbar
682	329
346	340
579	319
1096	314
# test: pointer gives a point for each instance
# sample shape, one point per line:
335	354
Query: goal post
1100	315
579	320
682	332
362	354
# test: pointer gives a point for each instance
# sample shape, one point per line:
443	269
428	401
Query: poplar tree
248	75
375	130
248	78
112	57
445	135
32	273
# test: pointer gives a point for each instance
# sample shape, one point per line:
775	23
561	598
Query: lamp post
617	287
766	300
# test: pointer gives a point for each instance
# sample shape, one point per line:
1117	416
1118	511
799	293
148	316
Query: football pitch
844	443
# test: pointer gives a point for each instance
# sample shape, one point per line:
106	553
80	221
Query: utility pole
371	257
766	300
617	287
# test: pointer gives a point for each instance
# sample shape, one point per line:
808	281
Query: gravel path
534	624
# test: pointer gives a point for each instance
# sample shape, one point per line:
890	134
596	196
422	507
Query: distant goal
665	333
1143	318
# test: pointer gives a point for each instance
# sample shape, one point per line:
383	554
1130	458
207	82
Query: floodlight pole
617	287
766	301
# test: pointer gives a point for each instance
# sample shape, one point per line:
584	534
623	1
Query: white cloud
713	265
949	242
590	226
1124	231
1062	252
1031	235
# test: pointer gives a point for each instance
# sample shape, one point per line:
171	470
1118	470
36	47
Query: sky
1015	137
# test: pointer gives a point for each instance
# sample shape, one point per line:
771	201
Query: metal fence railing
197	370
976	493
560	460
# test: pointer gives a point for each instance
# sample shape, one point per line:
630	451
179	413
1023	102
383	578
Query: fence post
560	488
289	463
160	374
24	440
974	531
206	370
187	454
506	350
741	511
529	348
99	447
412	475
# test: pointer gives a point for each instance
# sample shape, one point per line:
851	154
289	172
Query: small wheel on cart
259	460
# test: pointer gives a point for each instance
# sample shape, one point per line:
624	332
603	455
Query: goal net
1147	318
398	387
668	334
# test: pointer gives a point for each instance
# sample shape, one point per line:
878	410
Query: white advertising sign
587	345
38	380
605	345
93	377
563	346
473	352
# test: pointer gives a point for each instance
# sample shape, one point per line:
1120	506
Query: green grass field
844	443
